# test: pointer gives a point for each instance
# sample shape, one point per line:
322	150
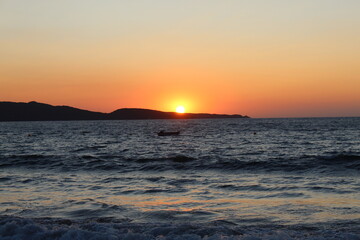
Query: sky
262	58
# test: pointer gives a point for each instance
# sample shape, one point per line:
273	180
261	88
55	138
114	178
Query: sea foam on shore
12	228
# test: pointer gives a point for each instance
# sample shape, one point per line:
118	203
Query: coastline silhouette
34	111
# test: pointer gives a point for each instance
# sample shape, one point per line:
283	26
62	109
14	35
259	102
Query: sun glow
180	109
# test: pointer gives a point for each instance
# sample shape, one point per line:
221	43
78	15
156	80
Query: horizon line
142	108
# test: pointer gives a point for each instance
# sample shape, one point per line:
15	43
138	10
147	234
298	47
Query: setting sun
180	109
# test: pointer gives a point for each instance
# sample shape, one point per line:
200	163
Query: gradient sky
262	58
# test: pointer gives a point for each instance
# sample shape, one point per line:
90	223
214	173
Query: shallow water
235	178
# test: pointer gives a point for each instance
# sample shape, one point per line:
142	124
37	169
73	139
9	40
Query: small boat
163	133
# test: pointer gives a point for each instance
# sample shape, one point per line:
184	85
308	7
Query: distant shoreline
34	111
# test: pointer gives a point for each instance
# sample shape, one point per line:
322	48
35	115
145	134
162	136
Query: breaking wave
12	228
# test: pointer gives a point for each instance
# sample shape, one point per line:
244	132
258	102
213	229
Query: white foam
12	228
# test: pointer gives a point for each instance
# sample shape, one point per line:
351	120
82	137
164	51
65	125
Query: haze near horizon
257	58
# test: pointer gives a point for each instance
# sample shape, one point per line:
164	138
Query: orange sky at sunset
258	58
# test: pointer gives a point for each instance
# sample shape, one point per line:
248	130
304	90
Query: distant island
34	111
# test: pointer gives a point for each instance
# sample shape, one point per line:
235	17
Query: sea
224	179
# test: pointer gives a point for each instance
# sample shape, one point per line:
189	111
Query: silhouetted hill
138	113
33	111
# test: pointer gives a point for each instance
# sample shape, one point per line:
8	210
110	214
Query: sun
180	109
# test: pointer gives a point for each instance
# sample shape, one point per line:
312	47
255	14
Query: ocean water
219	179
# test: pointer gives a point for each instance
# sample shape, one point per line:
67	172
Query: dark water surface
220	179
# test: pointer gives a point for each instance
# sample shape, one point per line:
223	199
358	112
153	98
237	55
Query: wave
326	163
12	228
